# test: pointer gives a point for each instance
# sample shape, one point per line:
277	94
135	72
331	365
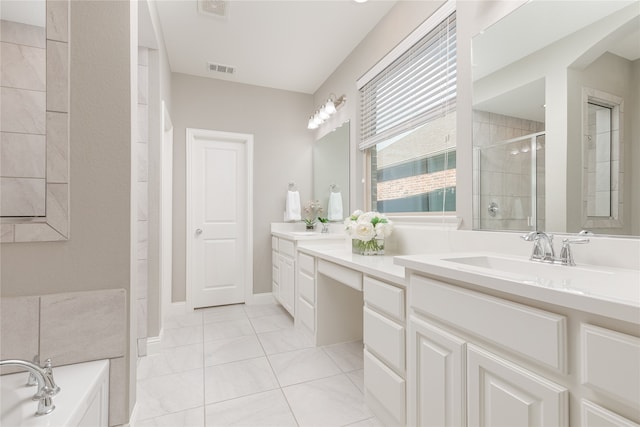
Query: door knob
198	231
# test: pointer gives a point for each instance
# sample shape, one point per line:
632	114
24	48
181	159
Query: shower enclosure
509	184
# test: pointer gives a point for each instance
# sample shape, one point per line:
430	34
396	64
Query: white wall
282	153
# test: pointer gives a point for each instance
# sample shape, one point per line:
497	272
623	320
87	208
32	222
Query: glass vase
371	247
310	227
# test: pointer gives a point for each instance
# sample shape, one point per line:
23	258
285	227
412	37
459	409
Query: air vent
219	68
217	8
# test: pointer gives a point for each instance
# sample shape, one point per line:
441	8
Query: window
408	122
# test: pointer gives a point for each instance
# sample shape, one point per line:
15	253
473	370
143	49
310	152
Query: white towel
335	207
292	207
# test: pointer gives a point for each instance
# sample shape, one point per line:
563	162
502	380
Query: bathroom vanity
478	338
500	340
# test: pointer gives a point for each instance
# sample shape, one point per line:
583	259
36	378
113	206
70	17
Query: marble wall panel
23	155
58	207
58	20
95	317
57	147
57	72
7	233
23	67
22	111
143	84
22	197
143	161
19	327
36	232
143	123
16	32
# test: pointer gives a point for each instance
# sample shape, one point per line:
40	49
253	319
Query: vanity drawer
611	363
536	334
306	264
306	287
286	247
384	297
386	386
385	338
306	314
274	243
342	274
596	416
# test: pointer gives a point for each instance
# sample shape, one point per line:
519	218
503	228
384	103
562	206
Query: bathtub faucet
47	387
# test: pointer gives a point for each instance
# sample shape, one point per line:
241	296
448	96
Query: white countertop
304	235
606	291
379	266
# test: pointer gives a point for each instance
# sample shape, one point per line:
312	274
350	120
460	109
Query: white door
219	218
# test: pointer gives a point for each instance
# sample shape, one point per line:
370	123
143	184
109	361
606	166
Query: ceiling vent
217	8
219	68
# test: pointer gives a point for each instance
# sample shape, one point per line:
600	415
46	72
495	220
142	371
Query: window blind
417	87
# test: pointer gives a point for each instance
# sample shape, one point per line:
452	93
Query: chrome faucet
47	387
566	256
542	246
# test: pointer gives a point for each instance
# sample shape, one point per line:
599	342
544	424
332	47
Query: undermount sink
607	282
529	268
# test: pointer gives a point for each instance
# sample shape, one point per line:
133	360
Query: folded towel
335	207
292	210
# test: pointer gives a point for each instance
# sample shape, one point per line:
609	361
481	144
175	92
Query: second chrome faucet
543	247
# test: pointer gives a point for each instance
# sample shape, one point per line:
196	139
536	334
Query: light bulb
323	114
330	107
312	124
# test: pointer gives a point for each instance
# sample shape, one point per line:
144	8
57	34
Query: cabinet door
435	377
287	277
501	393
596	416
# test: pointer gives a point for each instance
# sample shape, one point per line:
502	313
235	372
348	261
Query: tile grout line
274	374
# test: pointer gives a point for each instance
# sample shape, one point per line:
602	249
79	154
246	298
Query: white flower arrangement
368	231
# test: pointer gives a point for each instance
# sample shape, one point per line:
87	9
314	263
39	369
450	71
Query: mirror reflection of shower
509	173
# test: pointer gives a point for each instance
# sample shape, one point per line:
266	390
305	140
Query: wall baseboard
154	343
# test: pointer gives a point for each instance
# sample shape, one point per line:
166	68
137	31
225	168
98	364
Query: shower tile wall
503	173
142	146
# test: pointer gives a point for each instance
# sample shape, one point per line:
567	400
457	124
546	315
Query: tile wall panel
95	317
19	325
23	155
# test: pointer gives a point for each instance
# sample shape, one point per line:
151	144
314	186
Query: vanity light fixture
325	111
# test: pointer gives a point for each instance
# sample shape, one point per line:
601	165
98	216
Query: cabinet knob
198	231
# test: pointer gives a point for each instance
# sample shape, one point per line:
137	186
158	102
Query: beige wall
282	153
97	256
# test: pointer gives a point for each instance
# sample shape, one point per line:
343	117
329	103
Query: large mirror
331	173
34	120
556	123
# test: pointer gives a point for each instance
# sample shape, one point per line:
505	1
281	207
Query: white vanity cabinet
384	337
284	270
456	378
610	366
306	300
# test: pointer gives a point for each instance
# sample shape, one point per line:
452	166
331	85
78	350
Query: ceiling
291	45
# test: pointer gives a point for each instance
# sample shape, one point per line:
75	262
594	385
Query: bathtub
83	399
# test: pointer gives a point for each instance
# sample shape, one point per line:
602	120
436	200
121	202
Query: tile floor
245	365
